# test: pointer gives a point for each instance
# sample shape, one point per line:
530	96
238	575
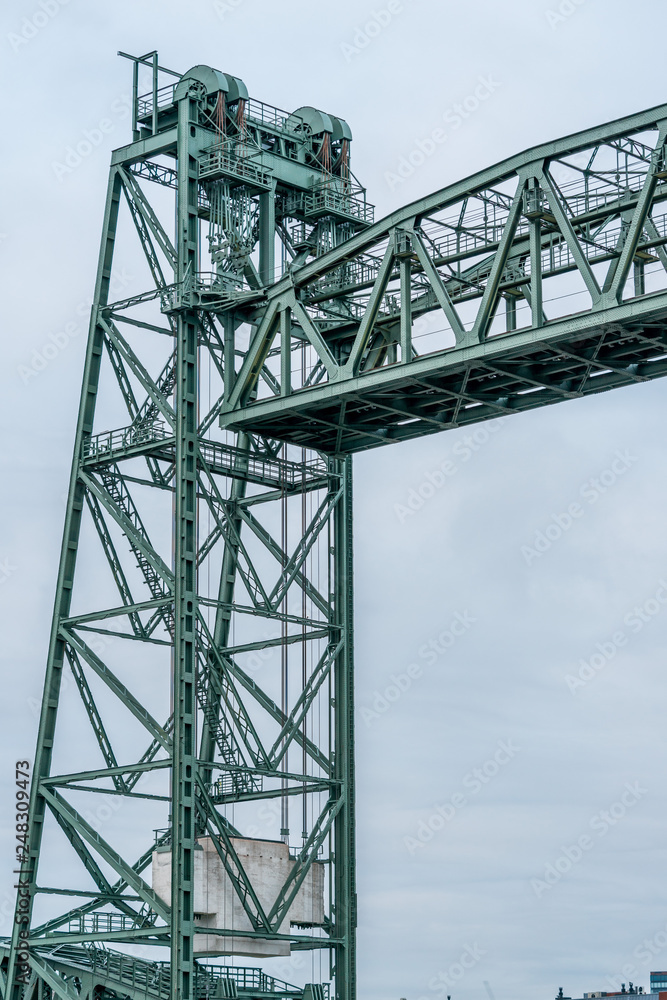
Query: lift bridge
199	681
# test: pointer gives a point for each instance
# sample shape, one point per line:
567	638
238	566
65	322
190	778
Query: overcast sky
511	794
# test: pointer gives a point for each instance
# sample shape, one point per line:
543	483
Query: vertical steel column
155	75
229	357
63	599
135	99
537	311
406	308
510	312
267	236
286	352
184	759
345	884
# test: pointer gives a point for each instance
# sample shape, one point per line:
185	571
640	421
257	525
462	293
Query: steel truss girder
529	229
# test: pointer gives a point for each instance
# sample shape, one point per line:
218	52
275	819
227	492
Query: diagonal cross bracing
270	375
521	229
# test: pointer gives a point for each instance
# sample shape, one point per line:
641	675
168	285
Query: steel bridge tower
200	668
207	549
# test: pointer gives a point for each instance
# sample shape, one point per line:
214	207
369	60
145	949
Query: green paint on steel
307	322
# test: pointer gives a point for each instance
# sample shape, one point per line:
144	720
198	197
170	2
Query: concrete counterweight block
267	864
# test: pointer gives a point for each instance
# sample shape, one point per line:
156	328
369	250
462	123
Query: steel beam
320	357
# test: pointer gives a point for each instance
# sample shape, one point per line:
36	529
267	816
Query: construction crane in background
200	667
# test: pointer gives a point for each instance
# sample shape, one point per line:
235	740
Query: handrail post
135	99
155	74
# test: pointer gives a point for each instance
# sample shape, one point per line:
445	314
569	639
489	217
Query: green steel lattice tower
270	524
203	616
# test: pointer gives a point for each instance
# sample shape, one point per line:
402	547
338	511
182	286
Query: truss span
539	280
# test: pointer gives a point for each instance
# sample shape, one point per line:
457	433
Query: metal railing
222	159
103	445
106	923
165	97
229	784
583	196
323	200
154	978
266	114
327	199
350	275
246	979
276	472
